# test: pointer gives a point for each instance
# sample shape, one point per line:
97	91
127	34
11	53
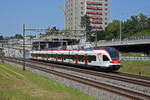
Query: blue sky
43	13
127	8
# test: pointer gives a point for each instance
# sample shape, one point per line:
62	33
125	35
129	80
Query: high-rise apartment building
97	10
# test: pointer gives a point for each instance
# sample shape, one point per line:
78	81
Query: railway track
133	76
111	88
130	78
134	79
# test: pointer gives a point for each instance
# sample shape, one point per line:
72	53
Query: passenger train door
105	60
99	58
102	59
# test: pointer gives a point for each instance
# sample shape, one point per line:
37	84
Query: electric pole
2	52
24	48
120	31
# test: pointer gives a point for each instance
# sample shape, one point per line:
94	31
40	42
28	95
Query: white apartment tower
97	10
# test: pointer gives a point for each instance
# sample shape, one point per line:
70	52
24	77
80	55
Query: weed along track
118	86
33	86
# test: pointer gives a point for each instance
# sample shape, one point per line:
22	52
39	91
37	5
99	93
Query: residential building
97	10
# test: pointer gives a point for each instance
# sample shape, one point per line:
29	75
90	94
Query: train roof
86	49
107	48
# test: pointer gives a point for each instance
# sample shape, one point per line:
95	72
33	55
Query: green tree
17	36
85	23
113	28
127	28
31	36
148	22
101	35
109	36
142	21
130	27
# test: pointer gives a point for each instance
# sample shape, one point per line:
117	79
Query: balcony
91	12
96	8
95	17
97	27
96	22
93	3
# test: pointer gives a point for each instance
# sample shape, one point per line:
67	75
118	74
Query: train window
81	58
32	55
49	56
113	53
36	55
65	57
59	57
40	55
54	56
91	58
73	57
44	55
68	57
105	58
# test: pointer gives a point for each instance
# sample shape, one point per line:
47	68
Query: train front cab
110	61
114	58
108	64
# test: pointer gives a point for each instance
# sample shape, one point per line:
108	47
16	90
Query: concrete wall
17	53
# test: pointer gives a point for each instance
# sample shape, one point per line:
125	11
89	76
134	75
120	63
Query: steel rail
118	77
129	78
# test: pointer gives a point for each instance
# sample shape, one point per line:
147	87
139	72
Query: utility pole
2	50
120	31
24	48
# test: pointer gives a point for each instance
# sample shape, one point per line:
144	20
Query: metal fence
136	58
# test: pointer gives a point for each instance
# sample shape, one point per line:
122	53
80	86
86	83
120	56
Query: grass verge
18	85
134	67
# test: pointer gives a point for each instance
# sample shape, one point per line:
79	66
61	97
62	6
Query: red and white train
106	58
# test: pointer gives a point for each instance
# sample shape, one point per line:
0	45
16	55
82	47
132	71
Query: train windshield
113	53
